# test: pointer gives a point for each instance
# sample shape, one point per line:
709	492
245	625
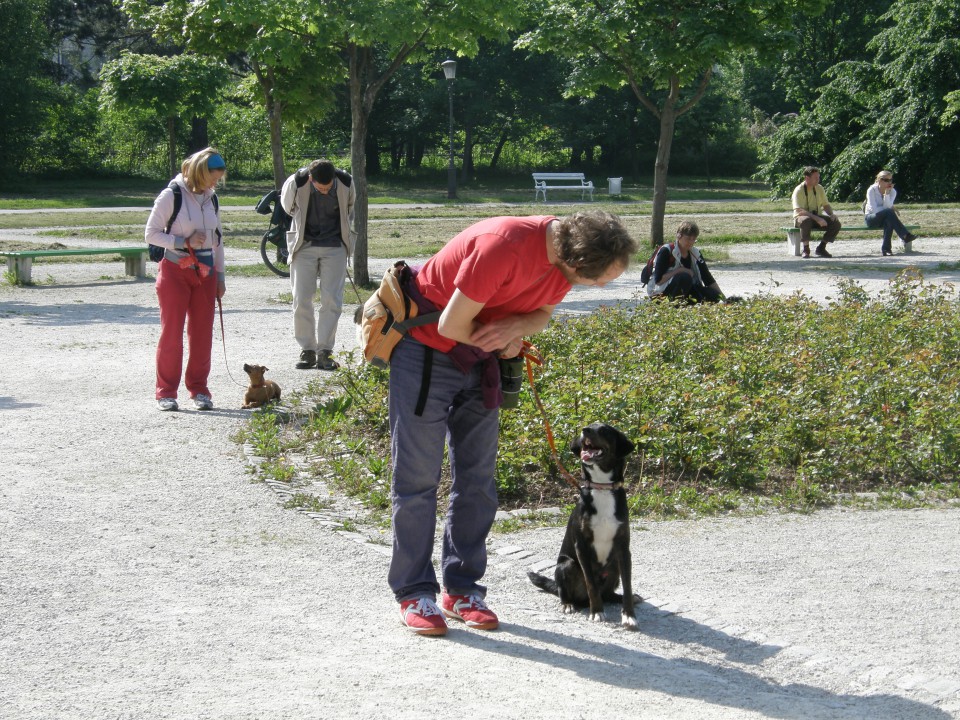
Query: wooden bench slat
20	262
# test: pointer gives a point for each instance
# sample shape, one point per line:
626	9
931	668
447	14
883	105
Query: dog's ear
265	369
625	446
246	368
576	445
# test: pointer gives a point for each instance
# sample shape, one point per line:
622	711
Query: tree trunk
172	145
667	115
466	164
276	143
668	121
373	156
199	137
364	87
706	159
499	149
275	116
396	154
359	117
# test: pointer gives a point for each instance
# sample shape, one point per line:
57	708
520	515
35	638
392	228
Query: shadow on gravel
627	668
9	403
681	630
69	313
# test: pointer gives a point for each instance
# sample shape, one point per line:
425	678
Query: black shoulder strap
669	247
177	204
216	204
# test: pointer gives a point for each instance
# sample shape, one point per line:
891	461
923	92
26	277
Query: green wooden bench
793	236
20	262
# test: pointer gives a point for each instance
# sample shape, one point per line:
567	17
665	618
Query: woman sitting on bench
878	211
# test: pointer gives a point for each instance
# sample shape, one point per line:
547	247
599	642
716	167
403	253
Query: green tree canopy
285	46
664	51
20	85
170	87
885	113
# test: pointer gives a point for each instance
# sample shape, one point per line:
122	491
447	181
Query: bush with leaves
779	396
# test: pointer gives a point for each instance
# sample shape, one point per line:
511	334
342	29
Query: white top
877	201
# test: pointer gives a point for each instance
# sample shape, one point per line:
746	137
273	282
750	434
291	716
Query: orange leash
532	355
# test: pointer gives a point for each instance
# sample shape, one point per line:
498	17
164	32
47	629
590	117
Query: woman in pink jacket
190	277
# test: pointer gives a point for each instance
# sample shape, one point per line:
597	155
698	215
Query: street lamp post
450	73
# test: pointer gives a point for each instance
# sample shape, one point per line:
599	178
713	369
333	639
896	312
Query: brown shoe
806	251
308	359
325	361
821	251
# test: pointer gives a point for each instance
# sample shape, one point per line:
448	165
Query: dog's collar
602	486
263	384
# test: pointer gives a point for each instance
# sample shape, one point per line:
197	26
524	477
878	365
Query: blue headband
215	162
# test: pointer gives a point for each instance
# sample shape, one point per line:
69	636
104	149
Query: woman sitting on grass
679	270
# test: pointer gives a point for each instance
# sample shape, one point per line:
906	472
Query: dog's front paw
628	621
598	616
567	608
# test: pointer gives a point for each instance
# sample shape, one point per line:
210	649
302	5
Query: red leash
532	355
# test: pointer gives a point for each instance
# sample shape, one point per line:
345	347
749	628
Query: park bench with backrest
20	262
543	181
793	236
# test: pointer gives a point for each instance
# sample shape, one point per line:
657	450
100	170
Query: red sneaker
423	617
471	609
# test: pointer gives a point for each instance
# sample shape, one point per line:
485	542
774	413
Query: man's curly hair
590	242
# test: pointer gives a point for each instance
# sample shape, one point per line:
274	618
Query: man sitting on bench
808	198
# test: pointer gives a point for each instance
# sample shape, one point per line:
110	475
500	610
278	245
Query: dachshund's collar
602	486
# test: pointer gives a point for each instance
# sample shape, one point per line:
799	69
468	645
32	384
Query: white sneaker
167	404
202	402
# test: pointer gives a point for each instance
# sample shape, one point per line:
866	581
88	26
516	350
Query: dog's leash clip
530	353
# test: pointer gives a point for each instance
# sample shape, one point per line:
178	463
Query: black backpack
156	252
647	273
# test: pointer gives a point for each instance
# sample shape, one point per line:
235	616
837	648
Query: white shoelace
474	601
425	607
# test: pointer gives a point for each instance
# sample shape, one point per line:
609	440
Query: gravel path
144	575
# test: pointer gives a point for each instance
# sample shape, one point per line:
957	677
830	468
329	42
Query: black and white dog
595	554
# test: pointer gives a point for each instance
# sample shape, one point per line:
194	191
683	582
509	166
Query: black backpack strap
177	204
424	380
424	319
216	209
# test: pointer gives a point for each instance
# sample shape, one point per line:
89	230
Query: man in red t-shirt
496	282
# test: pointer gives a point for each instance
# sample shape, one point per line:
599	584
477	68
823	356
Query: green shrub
778	396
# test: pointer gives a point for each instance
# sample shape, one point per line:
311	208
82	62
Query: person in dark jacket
679	270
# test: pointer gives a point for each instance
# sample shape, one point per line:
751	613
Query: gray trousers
310	264
453	415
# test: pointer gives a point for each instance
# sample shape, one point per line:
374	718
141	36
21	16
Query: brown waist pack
387	316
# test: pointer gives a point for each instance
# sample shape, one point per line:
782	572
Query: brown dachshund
260	391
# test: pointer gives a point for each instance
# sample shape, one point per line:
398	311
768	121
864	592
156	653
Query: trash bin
614	185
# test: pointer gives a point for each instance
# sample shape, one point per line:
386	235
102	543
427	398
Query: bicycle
273	244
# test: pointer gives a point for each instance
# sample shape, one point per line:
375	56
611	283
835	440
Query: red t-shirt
500	262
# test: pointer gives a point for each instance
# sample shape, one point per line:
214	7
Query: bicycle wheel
274	255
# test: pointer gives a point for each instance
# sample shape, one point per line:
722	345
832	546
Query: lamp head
449	69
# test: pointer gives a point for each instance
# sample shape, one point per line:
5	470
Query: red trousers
184	299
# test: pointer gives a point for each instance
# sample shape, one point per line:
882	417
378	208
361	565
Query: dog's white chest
604	524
